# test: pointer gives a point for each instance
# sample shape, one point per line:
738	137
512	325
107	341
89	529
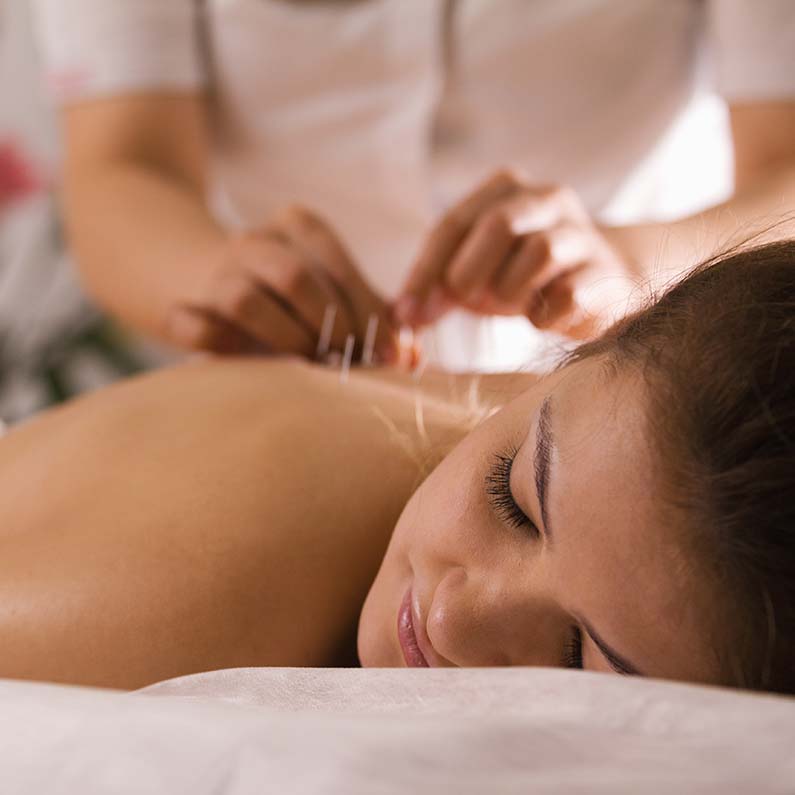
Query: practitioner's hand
269	291
516	249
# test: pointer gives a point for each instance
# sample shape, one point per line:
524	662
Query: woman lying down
631	512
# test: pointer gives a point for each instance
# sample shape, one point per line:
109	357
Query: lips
407	635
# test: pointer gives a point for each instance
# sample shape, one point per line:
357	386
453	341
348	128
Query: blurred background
54	343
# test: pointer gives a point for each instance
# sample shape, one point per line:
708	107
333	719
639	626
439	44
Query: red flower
18	177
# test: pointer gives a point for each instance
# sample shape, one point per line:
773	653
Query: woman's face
543	526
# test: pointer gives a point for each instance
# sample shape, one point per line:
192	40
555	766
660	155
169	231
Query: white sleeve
753	48
95	48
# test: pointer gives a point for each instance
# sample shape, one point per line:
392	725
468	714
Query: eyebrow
618	662
543	452
545	443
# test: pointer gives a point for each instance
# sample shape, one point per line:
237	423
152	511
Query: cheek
453	496
408	553
445	524
446	514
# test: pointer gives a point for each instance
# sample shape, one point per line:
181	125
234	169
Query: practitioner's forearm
141	238
661	253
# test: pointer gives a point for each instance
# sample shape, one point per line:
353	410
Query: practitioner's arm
136	179
515	247
763	134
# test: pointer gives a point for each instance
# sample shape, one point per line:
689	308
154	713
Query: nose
481	617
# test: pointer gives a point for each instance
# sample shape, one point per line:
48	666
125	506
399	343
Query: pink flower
18	177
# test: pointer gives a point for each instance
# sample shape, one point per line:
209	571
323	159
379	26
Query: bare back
217	514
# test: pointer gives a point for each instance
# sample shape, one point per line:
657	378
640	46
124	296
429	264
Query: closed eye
498	489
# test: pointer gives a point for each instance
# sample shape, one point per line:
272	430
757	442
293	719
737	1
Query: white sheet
378	731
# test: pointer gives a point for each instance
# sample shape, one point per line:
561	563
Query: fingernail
406	309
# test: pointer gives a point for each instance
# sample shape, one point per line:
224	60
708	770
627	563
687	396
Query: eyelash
498	487
572	652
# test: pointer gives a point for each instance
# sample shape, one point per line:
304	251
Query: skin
195	519
608	555
513	246
217	514
135	181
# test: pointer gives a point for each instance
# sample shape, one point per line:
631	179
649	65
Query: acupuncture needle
369	340
326	330
347	357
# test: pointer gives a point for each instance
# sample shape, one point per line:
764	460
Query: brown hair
717	352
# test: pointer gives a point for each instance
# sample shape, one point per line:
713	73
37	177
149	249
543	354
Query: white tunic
379	113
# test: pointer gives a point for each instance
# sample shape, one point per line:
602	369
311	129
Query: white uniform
380	113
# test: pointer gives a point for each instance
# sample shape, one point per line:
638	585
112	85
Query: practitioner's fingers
197	329
479	256
243	301
303	288
515	248
427	275
496	237
555	307
317	242
540	258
